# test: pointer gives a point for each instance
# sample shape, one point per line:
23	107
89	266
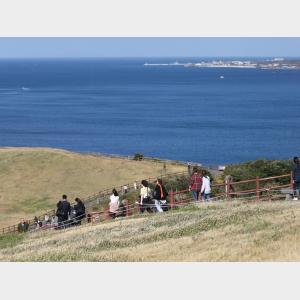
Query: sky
148	47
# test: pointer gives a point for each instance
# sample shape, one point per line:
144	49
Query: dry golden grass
220	232
33	179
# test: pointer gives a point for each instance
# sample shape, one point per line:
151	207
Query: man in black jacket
296	177
63	211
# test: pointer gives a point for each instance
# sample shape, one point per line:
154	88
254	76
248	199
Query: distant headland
275	63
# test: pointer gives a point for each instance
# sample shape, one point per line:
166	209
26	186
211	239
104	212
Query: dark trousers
147	205
112	214
195	194
144	207
62	221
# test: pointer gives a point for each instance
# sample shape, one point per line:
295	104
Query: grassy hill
232	231
33	179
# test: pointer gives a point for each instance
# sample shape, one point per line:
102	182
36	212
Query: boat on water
222	77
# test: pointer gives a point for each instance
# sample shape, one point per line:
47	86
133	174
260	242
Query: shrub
261	168
138	156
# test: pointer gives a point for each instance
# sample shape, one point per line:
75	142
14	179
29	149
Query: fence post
127	209
292	184
171	198
257	188
227	189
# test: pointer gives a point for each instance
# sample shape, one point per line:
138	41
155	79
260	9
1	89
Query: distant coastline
275	63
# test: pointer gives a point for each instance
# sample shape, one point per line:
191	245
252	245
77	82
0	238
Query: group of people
68	215
200	186
126	187
23	226
153	201
149	200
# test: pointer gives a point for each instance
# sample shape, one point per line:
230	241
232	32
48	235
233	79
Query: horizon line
148	57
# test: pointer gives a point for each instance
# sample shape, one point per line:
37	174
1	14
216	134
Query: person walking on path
63	211
47	219
205	188
114	203
195	185
145	197
125	189
296	177
160	195
79	208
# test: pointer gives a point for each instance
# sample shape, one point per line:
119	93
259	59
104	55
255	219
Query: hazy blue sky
147	47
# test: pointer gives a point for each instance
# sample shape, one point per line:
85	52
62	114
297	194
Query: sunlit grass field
232	231
33	179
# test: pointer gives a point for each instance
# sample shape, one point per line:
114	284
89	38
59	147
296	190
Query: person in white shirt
114	204
205	188
46	219
145	197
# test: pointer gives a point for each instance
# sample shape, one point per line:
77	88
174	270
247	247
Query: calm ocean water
119	106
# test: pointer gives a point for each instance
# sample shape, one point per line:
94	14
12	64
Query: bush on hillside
138	156
261	168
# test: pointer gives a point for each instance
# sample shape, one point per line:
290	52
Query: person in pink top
114	204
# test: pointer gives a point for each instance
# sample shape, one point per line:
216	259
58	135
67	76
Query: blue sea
119	106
